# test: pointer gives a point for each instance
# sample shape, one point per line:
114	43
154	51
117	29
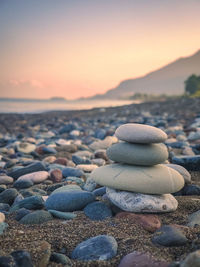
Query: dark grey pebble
31	203
8	196
191	163
22	258
60	258
36	217
169	236
21	213
23	184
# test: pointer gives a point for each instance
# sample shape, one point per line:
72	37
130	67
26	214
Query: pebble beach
74	188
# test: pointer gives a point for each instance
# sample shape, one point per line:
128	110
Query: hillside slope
166	80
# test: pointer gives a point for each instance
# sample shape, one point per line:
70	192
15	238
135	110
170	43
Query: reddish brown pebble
39	149
139	259
56	175
149	222
62	161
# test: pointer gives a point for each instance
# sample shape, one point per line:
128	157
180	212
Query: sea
39	106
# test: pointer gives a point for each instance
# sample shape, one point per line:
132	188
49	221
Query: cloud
30	83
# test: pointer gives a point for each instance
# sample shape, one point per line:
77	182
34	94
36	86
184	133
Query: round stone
69	201
138	154
35	177
141	259
26	147
4	179
140	133
158	179
102	247
143	203
36	217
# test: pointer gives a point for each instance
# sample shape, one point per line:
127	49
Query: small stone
35	177
22	258
141	259
192	260
69	171
102	247
21	213
56	175
21	184
169	236
60	258
87	167
149	222
62	161
194	219
49	159
97	211
36	217
26	148
4	179
48	150
8	196
63	215
32	203
99	191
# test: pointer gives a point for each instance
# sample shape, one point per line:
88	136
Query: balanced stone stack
138	182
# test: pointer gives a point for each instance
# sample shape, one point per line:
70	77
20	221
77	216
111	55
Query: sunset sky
78	48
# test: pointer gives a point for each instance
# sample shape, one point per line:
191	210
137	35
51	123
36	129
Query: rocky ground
78	139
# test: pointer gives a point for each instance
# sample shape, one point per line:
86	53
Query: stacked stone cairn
137	181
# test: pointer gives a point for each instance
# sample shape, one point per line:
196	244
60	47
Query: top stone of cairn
140	133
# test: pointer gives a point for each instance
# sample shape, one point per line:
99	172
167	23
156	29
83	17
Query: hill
166	80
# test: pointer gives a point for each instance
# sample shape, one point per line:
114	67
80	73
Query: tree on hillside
192	84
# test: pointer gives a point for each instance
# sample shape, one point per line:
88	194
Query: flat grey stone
140	133
138	154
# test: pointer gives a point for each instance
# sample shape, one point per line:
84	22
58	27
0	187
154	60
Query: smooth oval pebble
138	154
136	202
35	177
4	179
102	247
158	179
141	259
140	133
69	201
